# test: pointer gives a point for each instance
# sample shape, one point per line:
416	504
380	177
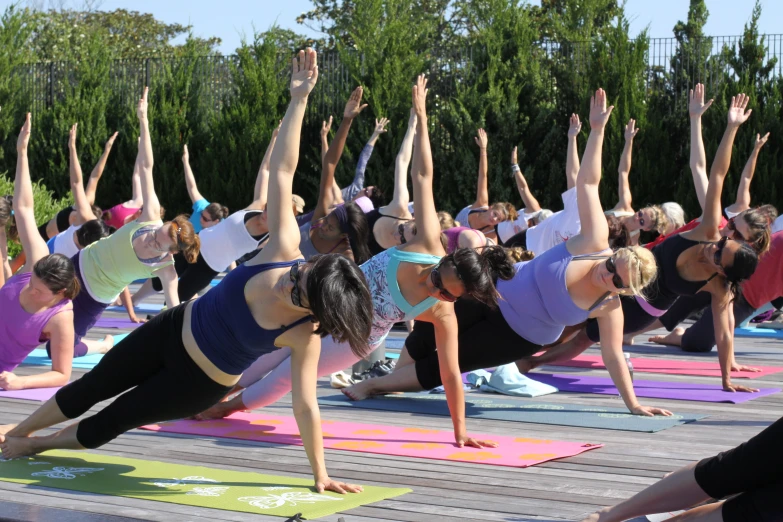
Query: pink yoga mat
683	391
706	369
518	452
36	394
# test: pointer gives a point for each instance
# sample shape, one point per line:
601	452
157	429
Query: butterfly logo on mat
170	483
64	472
213	491
292	498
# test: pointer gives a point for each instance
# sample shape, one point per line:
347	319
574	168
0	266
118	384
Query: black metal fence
47	83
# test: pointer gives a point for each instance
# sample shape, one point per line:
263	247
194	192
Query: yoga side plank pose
700	260
36	302
564	286
189	356
205	214
416	272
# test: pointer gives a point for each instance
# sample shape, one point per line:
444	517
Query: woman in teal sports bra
412	281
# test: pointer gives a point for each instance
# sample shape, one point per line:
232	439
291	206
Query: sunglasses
437	280
617	281
401	230
641	218
719	252
296	297
736	234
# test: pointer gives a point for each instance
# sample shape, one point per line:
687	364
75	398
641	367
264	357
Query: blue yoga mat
142	308
88	362
480	406
214	282
395	343
767	333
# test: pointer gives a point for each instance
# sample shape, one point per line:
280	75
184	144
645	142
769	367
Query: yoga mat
518	452
35	394
480	406
681	391
88	362
116	322
767	333
195	486
706	369
143	308
396	343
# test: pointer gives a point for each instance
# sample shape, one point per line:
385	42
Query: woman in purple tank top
36	302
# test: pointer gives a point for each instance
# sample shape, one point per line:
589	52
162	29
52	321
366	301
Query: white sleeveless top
227	241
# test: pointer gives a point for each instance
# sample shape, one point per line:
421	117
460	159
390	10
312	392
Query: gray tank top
306	246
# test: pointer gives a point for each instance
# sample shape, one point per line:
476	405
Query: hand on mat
328	484
473	443
729	387
735	367
135	319
649	411
10	381
526	365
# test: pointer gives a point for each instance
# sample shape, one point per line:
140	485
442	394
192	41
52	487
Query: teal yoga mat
765	333
480	406
88	362
143	308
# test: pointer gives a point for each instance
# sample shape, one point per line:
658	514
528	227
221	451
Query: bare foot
15	447
628	339
5	428
218	411
672	339
359	391
108	343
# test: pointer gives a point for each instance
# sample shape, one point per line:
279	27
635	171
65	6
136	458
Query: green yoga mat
485	406
196	486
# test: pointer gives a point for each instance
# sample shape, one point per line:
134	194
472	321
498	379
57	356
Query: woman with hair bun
36	302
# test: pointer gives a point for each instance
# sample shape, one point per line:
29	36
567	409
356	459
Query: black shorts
485	340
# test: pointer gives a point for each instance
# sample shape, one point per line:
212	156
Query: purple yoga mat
114	322
682	391
37	394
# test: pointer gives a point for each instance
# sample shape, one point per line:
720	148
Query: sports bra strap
397	256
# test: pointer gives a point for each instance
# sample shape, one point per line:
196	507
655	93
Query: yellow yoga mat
182	484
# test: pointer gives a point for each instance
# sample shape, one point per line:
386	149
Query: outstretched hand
141	108
72	136
737	113
185	154
419	94
574	127
696	105
514	156
630	130
380	126
24	134
761	140
354	105
110	142
481	139
325	127
304	73
599	112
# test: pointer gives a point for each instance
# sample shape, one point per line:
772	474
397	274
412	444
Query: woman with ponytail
416	280
36	302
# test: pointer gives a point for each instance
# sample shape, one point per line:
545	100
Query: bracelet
515	168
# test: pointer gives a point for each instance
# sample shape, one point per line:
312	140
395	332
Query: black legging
193	278
166	383
485	340
753	469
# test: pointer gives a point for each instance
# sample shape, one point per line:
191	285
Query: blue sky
230	19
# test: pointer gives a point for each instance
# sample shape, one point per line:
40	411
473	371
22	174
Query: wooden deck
555	491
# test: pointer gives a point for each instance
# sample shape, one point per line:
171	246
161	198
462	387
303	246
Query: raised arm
531	203
97	171
710	223
482	192
81	203
595	231
572	154
427	224
326	197
151	210
350	192
325	127
623	187
401	196
261	190
743	191
283	242
698	161
190	179
32	243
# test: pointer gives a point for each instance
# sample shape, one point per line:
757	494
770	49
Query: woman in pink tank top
465	237
36	303
122	213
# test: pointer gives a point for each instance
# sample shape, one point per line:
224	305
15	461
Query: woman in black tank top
700	260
